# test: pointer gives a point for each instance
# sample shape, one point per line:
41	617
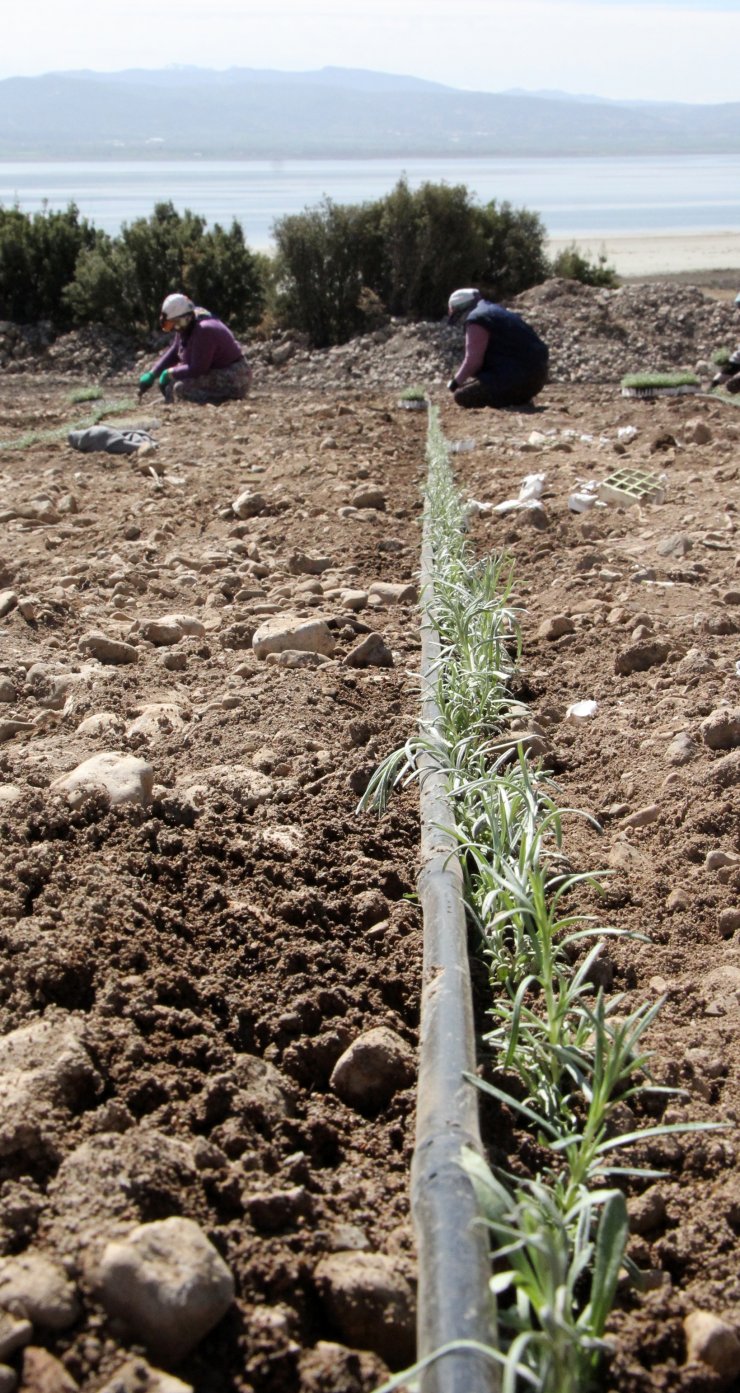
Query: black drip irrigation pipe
452	1245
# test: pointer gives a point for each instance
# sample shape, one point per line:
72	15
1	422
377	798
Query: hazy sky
667	50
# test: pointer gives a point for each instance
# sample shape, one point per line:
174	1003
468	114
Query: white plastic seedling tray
627	486
686	391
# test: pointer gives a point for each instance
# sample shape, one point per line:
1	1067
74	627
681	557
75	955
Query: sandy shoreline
666	252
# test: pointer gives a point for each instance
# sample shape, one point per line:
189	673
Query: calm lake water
587	197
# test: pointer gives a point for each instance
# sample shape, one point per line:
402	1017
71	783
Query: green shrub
122	281
572	265
515	249
38	254
339	267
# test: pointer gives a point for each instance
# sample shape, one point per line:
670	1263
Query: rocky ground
211	964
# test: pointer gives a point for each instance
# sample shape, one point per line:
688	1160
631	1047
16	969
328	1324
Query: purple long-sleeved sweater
208	345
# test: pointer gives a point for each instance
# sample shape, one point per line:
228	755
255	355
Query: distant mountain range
249	113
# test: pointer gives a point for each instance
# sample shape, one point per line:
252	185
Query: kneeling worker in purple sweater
204	362
505	362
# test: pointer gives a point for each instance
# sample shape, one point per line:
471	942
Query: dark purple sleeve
168	358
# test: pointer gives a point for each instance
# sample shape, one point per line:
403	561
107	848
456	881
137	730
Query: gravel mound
595	335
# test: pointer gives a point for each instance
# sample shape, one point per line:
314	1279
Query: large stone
8	602
15	1332
369	496
108	650
370	1301
249	505
388	593
712	1341
374	1067
289	631
122	778
640	657
161	632
721	729
34	1287
371	651
168	1284
43	1067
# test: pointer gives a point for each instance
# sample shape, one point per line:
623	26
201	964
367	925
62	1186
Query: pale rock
643	817
157	719
712	1341
675	545
167	1283
724	772
15	1332
34	1287
290	631
43	1066
42	1373
300	564
677	901
161	632
29	606
10	793
682	749
249	505
717	859
122	778
108	650
369	496
640	657
728	922
371	1303
8	602
139	1377
721	729
373	1068
295	658
8	1379
371	651
388	593
328	443
556	627
8	692
102	723
353	600
192	627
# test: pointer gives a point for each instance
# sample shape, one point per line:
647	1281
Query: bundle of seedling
560	1056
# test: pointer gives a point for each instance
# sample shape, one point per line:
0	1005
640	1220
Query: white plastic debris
474	509
532	486
461	447
581	502
530	493
626	434
580	710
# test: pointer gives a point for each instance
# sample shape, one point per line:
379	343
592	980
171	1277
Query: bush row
336	270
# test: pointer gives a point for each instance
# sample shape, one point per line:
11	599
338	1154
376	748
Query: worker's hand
164	380
145	382
453	384
719	379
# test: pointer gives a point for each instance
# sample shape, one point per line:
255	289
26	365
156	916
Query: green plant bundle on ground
660	379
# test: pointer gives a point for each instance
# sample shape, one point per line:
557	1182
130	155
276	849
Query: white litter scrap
530	492
626	434
581	710
585	496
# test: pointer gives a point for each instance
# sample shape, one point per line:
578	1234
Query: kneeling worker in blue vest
204	362
505	362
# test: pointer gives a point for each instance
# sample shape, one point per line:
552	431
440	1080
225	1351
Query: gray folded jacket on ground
114	442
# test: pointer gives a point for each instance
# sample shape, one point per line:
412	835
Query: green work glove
145	381
164	378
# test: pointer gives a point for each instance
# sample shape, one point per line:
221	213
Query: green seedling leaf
611	1241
